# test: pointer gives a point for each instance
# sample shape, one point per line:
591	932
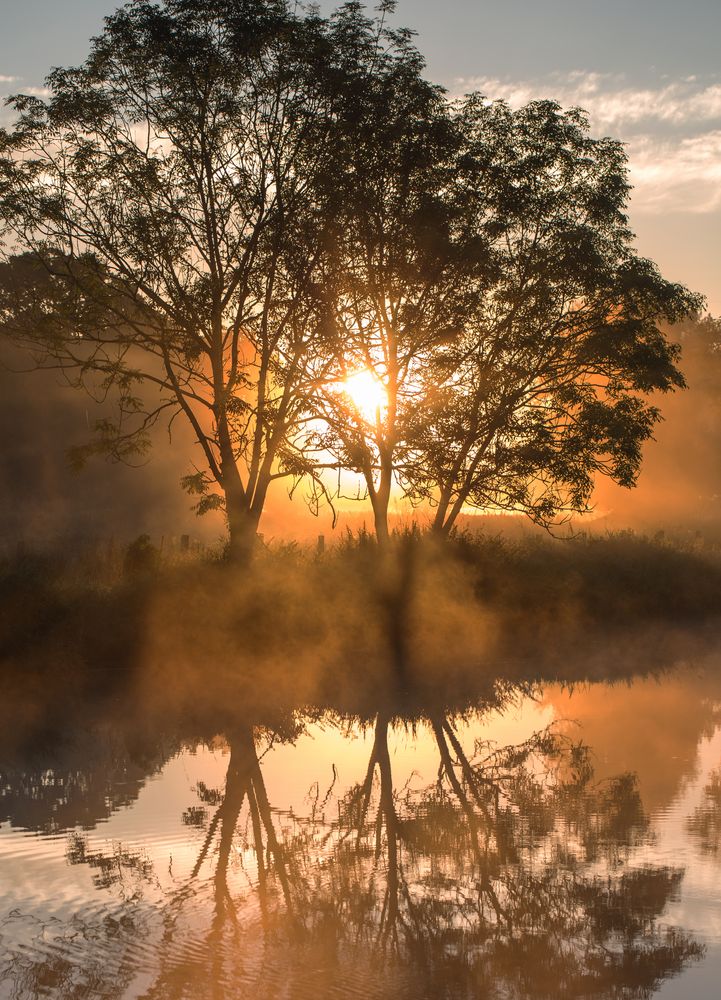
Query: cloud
33	91
608	100
672	131
681	176
6	114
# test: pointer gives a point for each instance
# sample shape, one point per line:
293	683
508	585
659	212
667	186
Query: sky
647	71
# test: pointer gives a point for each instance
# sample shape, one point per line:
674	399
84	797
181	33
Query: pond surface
565	844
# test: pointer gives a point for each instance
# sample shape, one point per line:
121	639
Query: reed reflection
704	824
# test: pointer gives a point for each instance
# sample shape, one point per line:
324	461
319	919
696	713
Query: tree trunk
242	520
389	927
448	513
380	499
242	529
380	518
438	527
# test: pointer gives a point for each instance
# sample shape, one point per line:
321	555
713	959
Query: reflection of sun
367	393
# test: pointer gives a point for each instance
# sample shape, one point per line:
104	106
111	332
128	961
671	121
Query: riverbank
337	627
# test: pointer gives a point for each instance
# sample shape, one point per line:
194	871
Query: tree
545	387
233	213
494	334
166	220
401	258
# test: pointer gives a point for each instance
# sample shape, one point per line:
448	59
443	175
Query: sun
366	393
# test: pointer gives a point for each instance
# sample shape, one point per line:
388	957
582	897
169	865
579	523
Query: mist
679	487
45	503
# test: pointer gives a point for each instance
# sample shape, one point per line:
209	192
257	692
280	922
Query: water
565	844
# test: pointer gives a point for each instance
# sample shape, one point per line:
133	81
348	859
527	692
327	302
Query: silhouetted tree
486	287
545	386
165	210
232	208
397	273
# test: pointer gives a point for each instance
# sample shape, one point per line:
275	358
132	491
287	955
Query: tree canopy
546	385
168	206
489	284
233	208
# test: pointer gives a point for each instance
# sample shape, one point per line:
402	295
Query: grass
420	621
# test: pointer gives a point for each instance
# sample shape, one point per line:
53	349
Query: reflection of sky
647	72
699	908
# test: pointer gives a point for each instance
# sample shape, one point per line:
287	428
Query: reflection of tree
504	872
512	874
92	953
212	963
705	822
79	781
